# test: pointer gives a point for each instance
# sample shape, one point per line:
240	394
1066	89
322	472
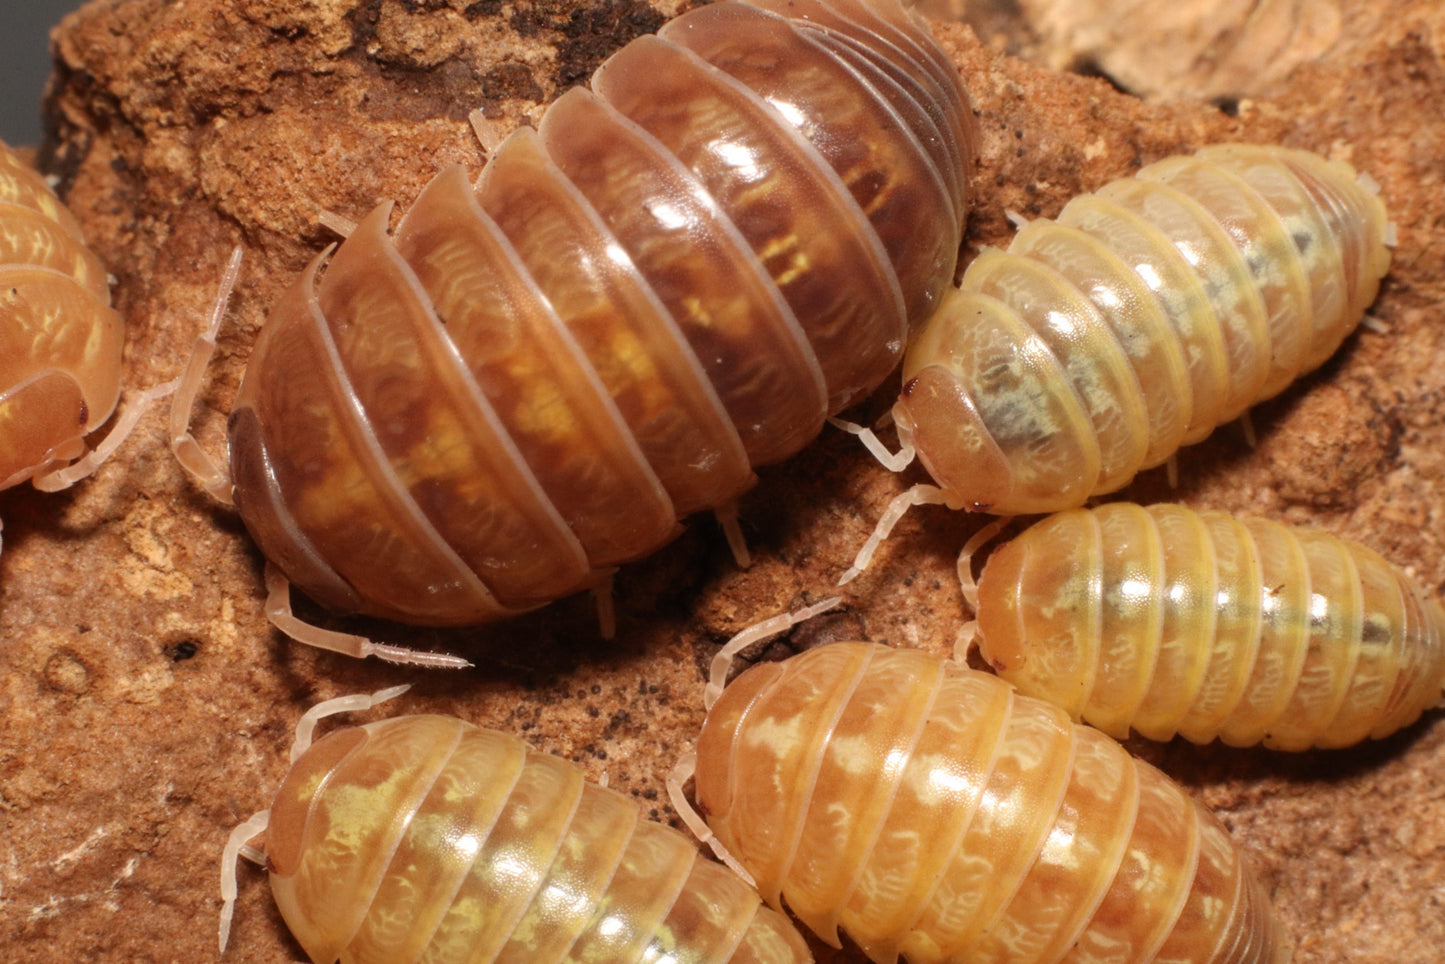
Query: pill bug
1173	621
60	341
1144	316
427	838
672	280
929	810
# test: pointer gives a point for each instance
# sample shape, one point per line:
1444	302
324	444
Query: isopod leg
489	134
675	782
278	612
918	495
208	474
893	462
236	846
351	703
977	541
65	477
1246	425
727	518
606	609
338	223
965	641
723	661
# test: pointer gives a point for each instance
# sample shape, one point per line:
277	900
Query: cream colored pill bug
929	810
1145	315
673	279
1172	621
424	838
60	341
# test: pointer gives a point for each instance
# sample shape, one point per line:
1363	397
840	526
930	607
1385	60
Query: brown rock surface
146	707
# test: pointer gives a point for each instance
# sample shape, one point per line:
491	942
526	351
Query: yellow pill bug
1144	316
424	838
1170	621
929	810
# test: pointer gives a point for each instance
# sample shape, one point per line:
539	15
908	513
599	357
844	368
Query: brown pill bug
1172	621
674	279
1140	319
929	810
424	838
60	341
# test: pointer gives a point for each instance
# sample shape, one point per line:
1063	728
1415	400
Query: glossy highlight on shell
427	838
928	810
1144	316
60	341
1167	621
674	279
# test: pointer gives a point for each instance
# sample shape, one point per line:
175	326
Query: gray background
25	63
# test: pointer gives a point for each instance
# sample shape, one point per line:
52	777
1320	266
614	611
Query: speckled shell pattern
1167	621
1140	319
426	839
60	341
929	810
675	278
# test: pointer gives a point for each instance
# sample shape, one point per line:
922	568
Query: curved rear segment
59	345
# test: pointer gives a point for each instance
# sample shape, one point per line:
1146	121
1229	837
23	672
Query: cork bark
145	705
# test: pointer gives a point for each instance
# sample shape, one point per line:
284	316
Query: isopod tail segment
674	278
1144	316
238	844
1168	621
60	341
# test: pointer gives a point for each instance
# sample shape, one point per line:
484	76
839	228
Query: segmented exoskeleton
1145	315
929	810
60	341
674	279
427	838
1172	621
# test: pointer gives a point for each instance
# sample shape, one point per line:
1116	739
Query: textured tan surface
145	708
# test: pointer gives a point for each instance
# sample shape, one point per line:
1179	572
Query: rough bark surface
145	705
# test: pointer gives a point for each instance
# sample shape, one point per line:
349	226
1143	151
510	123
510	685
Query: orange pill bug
60	341
1141	318
424	838
928	810
1172	621
672	280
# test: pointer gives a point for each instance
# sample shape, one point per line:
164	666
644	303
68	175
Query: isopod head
1144	316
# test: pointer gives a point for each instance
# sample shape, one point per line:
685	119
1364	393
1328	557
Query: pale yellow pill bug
1172	621
424	838
929	810
1141	318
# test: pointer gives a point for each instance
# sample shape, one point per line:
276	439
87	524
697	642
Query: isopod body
929	810
1172	621
60	341
1144	316
424	838
672	280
